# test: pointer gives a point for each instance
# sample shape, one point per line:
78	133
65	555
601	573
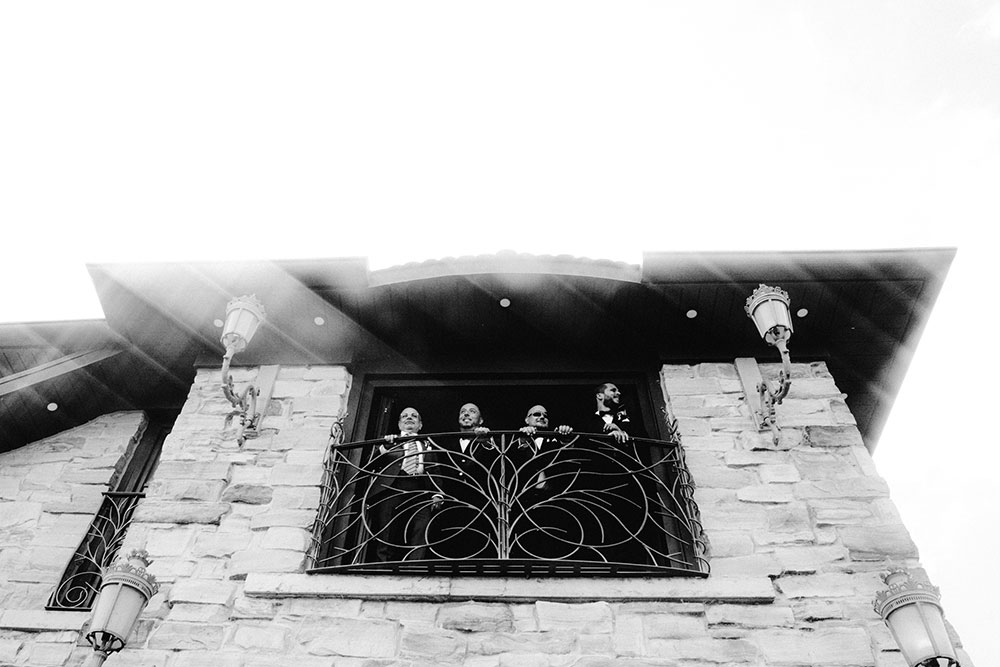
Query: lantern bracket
245	402
243	315
768	307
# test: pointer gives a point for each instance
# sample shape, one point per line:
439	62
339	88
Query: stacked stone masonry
798	533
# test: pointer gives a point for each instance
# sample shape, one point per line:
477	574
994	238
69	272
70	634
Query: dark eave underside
866	311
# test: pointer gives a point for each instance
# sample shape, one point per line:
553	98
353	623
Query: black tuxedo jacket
462	475
388	468
547	469
621	419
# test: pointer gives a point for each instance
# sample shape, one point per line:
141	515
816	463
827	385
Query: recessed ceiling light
505	302
52	407
218	323
319	321
802	312
691	314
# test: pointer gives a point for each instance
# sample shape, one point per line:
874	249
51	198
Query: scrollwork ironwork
581	504
82	579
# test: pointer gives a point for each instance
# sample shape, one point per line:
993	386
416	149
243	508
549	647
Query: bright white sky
406	131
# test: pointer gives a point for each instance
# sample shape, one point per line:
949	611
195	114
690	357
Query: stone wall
798	533
49	492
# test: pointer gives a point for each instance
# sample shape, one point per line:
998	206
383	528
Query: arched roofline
507	263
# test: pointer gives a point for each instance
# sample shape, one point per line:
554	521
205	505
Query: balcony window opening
507	477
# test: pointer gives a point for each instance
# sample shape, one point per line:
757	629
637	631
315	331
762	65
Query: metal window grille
81	580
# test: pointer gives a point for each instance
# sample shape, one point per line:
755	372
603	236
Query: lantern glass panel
934	621
769	314
241	325
104	607
763	317
908	628
127	609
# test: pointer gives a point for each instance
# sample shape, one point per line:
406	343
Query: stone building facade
797	530
798	533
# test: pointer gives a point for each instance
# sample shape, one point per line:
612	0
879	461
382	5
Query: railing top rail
651	442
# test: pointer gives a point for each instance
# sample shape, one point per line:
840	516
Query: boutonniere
622	416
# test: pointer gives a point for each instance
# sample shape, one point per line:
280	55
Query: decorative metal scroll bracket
245	403
673	429
761	397
337	430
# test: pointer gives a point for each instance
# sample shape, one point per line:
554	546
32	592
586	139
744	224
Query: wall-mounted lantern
768	308
243	315
912	610
125	590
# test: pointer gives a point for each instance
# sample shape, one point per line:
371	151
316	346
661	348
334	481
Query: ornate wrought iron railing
82	579
582	504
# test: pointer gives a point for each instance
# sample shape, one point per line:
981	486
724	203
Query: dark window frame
644	384
81	580
363	425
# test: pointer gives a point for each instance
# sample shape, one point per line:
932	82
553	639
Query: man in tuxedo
543	471
611	416
465	458
529	448
461	472
401	498
632	491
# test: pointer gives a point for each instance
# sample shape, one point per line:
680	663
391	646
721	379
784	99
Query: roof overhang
866	312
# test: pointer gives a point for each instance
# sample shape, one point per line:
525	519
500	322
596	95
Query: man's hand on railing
481	430
561	430
616	432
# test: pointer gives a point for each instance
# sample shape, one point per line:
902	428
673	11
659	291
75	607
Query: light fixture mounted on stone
243	315
768	307
912	610
125	590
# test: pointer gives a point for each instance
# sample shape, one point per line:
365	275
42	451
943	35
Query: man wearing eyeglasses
536	420
541	472
401	497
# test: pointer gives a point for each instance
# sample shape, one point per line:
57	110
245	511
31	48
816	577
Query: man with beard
624	480
611	416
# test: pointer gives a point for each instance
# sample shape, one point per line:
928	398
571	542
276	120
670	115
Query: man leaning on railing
528	448
462	473
611	416
538	528
398	497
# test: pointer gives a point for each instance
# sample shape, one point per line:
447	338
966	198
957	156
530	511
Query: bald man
461	473
542	472
400	500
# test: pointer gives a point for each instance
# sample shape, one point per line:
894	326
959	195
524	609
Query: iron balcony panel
578	505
